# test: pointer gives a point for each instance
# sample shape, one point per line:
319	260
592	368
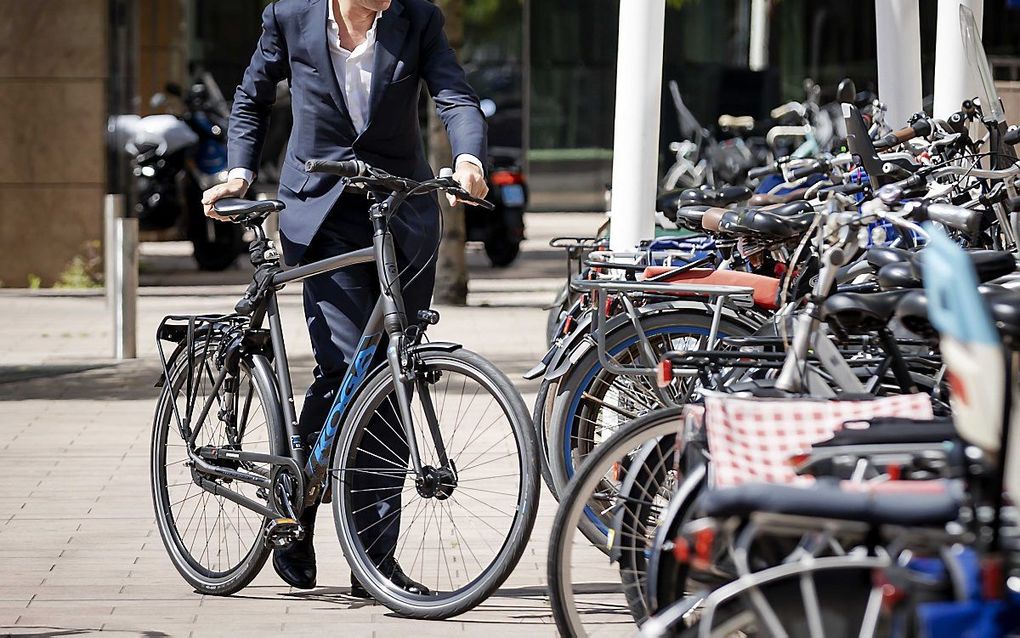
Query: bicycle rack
602	288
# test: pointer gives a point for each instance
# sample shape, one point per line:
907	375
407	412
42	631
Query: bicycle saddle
792	209
880	256
244	208
828	501
690	216
989	264
853	312
764	199
766	223
912	310
711	218
712	197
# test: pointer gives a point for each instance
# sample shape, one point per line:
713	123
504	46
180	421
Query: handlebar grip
920	128
349	168
914	181
844	189
762	171
811	169
960	218
1012	135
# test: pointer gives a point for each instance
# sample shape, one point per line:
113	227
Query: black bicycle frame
388	317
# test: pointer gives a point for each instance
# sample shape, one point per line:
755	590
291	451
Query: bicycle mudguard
579	341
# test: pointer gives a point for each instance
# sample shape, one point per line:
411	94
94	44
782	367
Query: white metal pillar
898	26
636	128
758	50
954	79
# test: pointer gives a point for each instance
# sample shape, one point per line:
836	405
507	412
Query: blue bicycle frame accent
318	461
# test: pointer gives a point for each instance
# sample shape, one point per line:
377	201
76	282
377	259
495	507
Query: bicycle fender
438	346
580	341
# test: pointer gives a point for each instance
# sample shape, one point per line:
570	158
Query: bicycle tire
566	523
562	427
207	581
432	607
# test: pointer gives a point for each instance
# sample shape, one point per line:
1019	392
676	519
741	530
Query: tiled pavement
79	551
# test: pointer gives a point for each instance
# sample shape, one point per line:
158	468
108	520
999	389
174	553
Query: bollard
113	209
125	288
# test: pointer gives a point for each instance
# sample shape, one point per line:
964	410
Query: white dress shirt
353	71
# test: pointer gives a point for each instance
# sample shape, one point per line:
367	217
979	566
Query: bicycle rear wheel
217	545
459	533
590	595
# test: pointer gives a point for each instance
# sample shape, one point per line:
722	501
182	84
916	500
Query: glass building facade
549	67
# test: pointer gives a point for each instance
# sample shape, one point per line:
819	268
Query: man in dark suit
354	68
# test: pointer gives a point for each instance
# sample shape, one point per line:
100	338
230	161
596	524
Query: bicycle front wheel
458	528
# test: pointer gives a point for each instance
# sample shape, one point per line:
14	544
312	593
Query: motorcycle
174	158
501	230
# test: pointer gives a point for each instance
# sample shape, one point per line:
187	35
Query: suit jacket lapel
315	35
389	41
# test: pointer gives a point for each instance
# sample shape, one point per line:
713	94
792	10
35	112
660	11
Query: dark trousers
337	308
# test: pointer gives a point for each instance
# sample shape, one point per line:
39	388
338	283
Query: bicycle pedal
283	531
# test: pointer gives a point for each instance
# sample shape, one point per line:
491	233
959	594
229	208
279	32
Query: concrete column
636	128
53	71
898	27
954	79
758	51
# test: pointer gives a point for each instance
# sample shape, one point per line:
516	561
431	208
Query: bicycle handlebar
763	171
920	128
358	172
350	168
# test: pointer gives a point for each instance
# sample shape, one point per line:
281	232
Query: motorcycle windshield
978	61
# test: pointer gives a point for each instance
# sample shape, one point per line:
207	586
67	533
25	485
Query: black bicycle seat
880	256
713	197
989	265
690	216
765	223
793	209
852	312
912	310
826	501
236	207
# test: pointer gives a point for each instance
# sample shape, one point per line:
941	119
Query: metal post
758	49
954	79
113	209
636	127
898	27
125	288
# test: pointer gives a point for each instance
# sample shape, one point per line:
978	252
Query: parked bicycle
231	476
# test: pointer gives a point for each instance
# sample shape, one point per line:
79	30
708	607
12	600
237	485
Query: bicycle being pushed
428	450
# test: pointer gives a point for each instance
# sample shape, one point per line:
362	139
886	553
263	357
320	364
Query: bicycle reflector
665	375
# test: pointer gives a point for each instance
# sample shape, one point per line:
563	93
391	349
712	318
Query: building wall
53	72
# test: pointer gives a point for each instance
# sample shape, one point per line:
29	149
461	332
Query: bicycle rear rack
190	334
721	295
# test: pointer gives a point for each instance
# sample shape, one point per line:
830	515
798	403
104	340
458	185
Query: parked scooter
500	230
175	156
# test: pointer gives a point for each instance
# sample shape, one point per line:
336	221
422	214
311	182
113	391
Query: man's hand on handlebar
232	188
472	180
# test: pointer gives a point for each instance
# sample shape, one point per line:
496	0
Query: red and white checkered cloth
751	440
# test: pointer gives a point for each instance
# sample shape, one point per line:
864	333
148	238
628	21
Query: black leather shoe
391	569
295	563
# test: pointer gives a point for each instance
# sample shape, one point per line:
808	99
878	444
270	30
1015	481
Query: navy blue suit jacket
410	46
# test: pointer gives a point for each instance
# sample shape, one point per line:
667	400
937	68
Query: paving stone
79	550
